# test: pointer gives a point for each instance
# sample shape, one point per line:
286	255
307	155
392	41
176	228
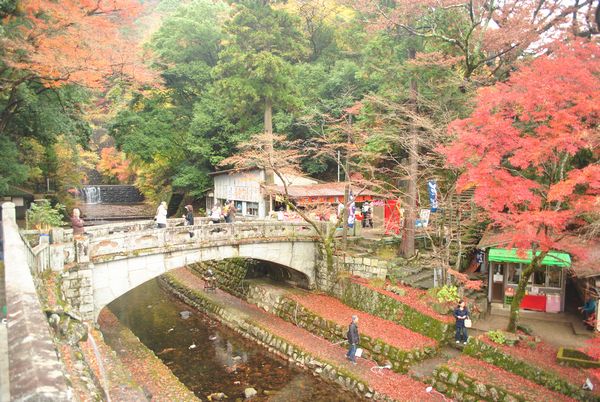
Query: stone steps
420	279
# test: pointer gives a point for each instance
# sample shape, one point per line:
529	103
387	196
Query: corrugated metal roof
335	189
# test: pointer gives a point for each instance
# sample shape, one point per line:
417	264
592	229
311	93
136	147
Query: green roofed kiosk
546	288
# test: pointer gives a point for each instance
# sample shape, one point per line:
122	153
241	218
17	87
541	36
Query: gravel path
398	386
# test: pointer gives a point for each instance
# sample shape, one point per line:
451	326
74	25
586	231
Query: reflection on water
208	357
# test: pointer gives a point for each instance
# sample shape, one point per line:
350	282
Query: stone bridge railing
131	242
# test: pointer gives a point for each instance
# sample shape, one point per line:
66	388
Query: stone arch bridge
111	264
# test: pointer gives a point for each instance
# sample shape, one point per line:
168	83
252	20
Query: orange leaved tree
528	150
55	43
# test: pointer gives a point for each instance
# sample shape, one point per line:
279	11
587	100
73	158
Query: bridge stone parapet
111	265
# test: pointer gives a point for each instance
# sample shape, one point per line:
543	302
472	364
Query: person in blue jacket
461	313
589	307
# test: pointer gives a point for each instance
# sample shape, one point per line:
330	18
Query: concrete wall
36	373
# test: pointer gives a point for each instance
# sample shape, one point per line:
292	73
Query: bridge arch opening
236	274
259	270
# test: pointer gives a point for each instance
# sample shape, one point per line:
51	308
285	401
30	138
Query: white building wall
245	187
241	186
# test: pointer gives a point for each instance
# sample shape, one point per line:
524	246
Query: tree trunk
408	235
268	123
345	214
269	173
536	262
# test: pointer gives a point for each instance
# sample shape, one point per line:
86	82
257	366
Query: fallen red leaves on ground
491	375
334	310
544	355
415	298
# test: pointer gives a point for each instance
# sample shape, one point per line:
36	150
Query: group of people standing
216	214
227	213
161	216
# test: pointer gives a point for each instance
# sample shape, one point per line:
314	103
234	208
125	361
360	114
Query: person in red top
77	222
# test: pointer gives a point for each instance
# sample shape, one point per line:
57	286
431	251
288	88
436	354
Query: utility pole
347	190
408	234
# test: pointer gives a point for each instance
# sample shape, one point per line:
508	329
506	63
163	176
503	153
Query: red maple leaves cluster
517	146
543	355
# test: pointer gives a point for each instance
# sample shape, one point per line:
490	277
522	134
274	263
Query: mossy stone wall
464	388
368	300
229	274
550	380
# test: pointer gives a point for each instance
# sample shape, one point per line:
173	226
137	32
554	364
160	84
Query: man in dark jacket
353	339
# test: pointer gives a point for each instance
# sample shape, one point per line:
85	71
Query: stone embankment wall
229	274
365	267
368	300
464	388
264	338
296	314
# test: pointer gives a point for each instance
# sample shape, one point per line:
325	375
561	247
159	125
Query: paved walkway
398	386
557	329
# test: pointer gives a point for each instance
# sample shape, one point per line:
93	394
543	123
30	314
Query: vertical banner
433	200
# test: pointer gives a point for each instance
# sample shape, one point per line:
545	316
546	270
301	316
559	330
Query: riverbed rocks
185	314
250	392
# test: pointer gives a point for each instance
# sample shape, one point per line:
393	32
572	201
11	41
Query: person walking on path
461	313
161	215
189	215
77	222
353	339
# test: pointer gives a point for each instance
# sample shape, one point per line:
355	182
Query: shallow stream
210	358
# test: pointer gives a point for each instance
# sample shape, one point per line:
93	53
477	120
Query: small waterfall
100	366
91	194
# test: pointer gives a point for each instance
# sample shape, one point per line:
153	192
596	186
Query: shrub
42	215
448	294
497	337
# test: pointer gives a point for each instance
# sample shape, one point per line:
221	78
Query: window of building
554	277
539	277
238	206
514	273
252	208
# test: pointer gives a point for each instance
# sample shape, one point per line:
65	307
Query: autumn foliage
523	148
113	164
73	41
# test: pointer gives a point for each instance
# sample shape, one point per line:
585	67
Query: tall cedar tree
518	149
255	67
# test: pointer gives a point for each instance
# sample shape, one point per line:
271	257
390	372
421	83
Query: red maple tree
527	149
